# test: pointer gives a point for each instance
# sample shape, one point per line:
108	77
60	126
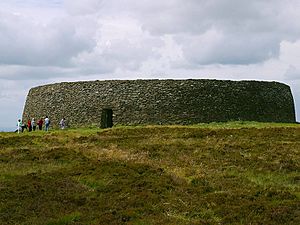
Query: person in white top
62	123
33	124
47	123
19	126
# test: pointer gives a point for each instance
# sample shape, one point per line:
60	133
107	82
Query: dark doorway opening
106	118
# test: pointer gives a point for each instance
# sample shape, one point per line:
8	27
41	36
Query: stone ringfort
133	102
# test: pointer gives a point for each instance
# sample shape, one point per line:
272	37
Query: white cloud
80	7
26	42
216	47
290	53
118	45
124	34
292	73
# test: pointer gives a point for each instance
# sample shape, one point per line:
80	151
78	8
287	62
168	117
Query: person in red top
40	124
29	125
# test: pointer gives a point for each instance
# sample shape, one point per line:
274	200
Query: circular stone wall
161	102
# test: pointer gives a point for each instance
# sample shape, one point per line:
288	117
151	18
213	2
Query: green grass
219	173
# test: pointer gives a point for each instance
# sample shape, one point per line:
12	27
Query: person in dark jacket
40	124
29	125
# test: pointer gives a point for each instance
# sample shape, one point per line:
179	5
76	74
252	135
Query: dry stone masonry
135	102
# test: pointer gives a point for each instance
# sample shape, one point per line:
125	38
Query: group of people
32	125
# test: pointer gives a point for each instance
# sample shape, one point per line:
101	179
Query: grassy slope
208	174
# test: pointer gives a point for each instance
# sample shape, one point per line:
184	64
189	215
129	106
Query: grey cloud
196	16
245	33
251	33
43	73
252	30
130	55
80	7
292	73
126	49
227	49
296	94
26	42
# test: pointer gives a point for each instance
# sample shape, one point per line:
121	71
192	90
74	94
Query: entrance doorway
106	118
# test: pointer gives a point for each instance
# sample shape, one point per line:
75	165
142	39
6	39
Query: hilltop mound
151	175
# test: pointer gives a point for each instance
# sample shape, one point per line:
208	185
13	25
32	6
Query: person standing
24	126
33	124
29	125
19	126
47	123
62	123
40	124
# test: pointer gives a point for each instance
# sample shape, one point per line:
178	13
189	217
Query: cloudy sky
46	41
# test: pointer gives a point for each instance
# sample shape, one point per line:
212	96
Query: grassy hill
236	173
